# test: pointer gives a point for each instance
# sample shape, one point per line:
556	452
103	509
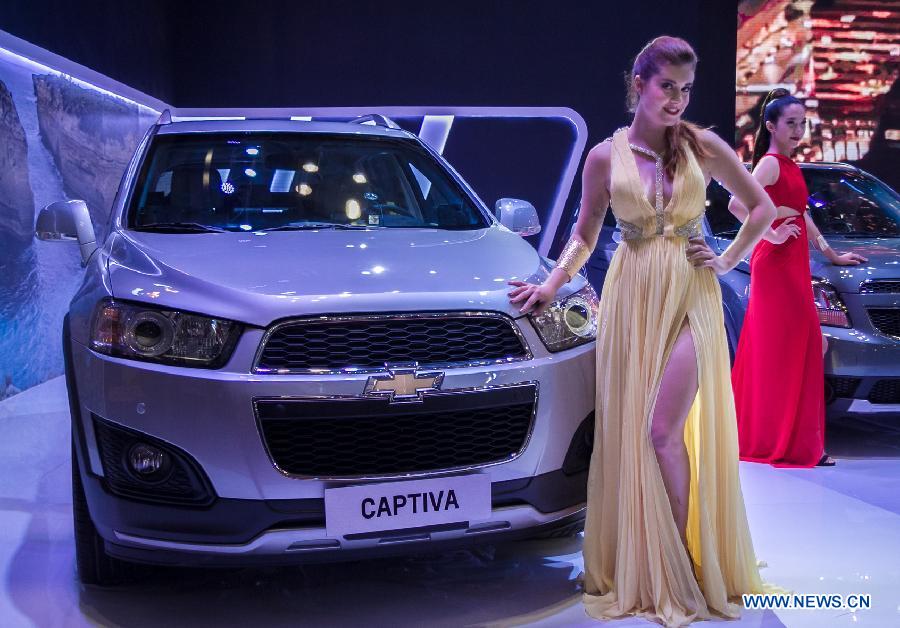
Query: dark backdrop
315	52
276	53
128	40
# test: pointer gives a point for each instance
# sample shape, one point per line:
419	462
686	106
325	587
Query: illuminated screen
841	57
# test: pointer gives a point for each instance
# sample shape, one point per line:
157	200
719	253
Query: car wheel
94	565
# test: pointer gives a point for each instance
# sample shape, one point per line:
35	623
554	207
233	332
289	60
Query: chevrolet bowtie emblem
403	383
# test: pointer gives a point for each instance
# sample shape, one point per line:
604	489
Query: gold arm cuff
573	257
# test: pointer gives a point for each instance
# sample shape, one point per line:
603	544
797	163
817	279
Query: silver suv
293	342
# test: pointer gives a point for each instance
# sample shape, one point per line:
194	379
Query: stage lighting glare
352	209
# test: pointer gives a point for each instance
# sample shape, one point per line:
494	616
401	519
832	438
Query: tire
95	566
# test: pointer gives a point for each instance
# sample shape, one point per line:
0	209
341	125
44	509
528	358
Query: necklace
659	172
660	218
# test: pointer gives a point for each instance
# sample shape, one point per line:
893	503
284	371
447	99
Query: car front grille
880	286
362	437
842	386
885	320
885	391
366	343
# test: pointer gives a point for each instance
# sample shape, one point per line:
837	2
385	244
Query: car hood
257	278
883	255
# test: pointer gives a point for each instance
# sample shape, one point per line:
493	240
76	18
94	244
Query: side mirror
67	221
518	216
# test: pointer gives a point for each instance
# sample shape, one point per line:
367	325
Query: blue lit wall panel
63	140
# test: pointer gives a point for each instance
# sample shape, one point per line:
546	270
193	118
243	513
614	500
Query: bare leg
677	391
824	345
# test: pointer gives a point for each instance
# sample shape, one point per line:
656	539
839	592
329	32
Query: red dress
778	374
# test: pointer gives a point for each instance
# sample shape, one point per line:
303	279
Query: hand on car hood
883	255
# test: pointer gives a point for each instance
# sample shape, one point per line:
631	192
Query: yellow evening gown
635	562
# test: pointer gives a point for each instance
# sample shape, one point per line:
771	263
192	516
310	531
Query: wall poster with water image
60	139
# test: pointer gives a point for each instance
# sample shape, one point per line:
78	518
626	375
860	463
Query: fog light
148	462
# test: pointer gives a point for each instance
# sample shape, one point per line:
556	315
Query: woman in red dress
778	376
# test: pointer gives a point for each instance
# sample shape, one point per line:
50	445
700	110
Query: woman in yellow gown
666	536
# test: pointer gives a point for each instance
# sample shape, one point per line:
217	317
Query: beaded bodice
635	215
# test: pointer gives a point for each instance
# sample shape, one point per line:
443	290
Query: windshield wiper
186	227
306	226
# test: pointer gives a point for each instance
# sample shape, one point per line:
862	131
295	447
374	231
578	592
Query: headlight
569	322
832	311
157	335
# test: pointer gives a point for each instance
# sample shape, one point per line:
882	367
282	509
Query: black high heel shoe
825	461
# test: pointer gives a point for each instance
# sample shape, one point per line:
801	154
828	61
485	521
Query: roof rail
376	119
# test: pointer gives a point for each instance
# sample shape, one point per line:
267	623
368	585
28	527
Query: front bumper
246	532
862	365
260	513
289	547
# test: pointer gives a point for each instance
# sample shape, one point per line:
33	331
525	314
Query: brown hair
660	51
774	104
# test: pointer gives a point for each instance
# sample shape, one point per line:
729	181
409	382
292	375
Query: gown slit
685	324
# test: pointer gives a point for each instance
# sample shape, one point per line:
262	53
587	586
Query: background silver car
293	342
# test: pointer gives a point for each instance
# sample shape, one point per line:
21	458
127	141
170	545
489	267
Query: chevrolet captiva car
293	342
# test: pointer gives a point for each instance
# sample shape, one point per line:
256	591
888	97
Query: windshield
841	203
847	204
281	181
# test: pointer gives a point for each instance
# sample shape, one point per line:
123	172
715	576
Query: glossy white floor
821	531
